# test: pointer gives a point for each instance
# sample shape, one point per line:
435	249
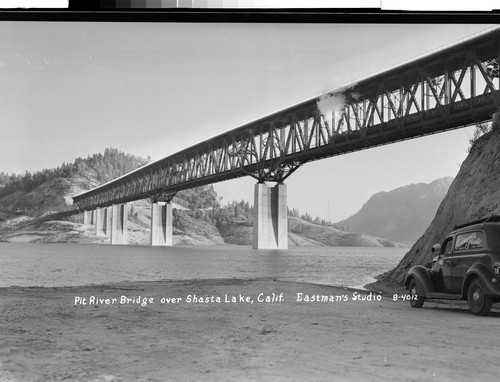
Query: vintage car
467	267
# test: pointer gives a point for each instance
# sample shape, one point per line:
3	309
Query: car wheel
416	301
479	303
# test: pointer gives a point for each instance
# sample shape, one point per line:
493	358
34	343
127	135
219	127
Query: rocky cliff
474	194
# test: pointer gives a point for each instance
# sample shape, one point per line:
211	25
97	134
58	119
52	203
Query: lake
62	264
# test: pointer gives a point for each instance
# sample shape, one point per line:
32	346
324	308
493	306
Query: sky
151	89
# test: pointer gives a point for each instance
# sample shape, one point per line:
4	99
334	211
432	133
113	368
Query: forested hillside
99	167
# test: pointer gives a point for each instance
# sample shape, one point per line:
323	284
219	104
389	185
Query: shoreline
118	284
49	336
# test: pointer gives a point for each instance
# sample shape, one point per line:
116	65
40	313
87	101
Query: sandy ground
45	336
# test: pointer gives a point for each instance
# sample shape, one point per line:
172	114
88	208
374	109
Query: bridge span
449	88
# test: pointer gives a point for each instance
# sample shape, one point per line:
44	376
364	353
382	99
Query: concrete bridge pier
270	224
119	220
108	218
103	221
100	221
161	224
87	217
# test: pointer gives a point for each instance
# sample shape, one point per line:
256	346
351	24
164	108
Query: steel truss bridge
447	89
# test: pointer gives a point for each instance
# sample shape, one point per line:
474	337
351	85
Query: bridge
449	88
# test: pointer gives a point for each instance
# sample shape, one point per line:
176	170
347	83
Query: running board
444	296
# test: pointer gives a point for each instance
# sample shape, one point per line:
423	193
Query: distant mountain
401	215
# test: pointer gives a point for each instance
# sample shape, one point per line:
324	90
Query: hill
49	191
401	215
331	236
304	233
474	194
25	198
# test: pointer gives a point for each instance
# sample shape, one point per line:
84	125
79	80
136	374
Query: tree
481	129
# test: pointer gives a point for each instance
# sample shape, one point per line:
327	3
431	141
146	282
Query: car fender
481	271
423	276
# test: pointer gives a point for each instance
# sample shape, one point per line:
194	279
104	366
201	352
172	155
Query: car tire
479	303
415	302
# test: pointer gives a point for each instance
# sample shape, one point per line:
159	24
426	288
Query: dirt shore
56	334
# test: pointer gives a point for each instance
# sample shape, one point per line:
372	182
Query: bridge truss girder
449	89
162	197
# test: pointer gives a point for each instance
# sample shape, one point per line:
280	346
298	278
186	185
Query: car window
447	247
469	240
493	232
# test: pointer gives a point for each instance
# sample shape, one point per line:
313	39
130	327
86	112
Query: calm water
83	264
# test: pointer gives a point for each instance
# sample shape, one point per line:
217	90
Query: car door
444	265
469	248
